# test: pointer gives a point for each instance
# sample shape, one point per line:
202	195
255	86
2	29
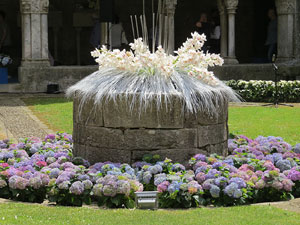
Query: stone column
223	24
170	11
297	30
285	37
231	6
34	14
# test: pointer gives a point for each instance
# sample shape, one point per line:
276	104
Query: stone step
10	88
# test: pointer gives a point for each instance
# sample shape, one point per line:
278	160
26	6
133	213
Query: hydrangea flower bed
264	169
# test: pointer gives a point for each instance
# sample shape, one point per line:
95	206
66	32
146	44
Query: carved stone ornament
221	7
285	6
25	6
171	6
231	4
34	6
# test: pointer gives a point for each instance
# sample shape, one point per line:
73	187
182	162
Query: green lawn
250	121
266	121
56	113
18	213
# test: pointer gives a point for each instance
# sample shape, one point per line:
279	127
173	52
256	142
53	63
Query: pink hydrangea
163	186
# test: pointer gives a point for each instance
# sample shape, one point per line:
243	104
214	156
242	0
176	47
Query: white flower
190	59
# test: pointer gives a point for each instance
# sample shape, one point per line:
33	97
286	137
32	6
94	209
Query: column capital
171	6
285	6
221	7
34	6
231	5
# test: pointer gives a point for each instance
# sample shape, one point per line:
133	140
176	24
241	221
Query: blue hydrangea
147	176
297	148
54	173
230	189
83	177
174	186
178	167
239	181
155	169
214	191
212	174
217	165
237	193
283	164
201	169
221	181
229	161
277	157
159	178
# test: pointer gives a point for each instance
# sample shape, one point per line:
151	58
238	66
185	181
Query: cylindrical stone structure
117	133
231	6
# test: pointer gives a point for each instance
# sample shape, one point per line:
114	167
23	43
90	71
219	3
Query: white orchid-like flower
189	59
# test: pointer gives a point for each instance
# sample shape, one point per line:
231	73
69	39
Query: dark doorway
261	22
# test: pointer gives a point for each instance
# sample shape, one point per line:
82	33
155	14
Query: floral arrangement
264	91
259	170
157	76
5	60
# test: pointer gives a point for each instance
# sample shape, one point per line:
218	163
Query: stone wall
36	79
113	133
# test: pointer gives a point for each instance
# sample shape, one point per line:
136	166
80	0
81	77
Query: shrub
264	91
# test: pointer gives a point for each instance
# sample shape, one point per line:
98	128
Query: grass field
250	121
19	213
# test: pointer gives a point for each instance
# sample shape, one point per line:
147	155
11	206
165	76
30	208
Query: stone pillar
297	31
231	6
285	37
223	24
170	11
34	15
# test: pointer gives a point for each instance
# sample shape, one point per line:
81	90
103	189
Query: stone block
80	134
104	137
94	155
205	118
88	114
212	134
220	149
177	155
79	150
160	139
118	114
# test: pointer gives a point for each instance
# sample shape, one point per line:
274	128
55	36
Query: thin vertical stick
153	32
145	30
160	30
132	27
166	33
137	27
142	25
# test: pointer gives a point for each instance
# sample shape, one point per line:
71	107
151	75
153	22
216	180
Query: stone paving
17	121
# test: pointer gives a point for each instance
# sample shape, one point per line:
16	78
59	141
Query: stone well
113	133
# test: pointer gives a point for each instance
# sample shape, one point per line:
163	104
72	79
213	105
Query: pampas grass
141	89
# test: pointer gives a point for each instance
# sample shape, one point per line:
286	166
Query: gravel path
17	121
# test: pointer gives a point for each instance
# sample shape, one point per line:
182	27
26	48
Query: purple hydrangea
200	157
64	185
87	184
77	188
123	187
